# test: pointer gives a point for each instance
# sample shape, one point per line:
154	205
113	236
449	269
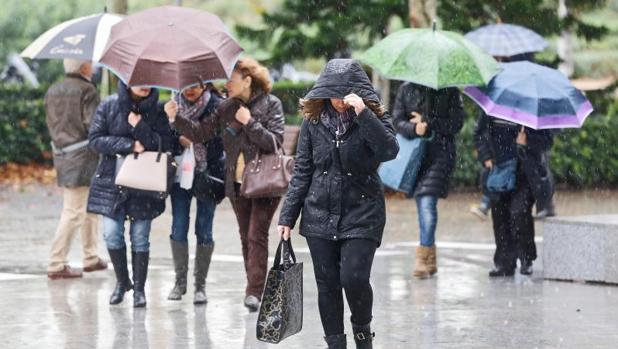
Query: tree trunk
119	6
109	79
422	13
565	43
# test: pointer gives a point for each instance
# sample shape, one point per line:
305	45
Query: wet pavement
460	308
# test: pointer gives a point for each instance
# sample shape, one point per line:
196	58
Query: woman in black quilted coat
437	116
131	121
345	136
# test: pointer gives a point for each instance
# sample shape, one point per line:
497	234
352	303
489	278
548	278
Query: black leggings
343	264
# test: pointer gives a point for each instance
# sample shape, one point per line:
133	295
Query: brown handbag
267	175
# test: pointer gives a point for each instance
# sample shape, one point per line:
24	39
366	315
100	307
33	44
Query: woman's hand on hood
355	102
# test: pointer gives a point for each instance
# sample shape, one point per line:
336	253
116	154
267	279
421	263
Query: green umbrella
430	57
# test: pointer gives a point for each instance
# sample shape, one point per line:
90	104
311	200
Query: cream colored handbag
145	171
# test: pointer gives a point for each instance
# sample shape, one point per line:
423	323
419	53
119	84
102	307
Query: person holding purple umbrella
500	142
544	186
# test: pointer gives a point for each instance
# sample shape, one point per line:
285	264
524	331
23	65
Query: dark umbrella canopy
341	77
170	47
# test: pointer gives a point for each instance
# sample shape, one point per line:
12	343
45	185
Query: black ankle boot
363	337
123	283
140	272
336	341
501	272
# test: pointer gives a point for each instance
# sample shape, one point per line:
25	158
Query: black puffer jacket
336	184
444	120
111	135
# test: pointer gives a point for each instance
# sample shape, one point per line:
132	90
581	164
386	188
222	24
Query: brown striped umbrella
170	47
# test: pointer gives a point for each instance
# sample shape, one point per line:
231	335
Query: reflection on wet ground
460	308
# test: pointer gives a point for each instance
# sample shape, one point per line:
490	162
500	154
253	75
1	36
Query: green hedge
586	157
23	133
289	93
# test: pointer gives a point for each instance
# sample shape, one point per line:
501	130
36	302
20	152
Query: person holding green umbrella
429	105
437	115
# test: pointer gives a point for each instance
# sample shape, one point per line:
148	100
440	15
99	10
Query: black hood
341	77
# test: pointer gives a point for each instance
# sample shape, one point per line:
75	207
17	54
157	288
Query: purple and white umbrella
81	38
506	40
532	95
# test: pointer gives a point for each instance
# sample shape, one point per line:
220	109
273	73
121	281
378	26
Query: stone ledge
581	248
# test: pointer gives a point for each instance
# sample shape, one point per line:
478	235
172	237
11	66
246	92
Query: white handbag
144	171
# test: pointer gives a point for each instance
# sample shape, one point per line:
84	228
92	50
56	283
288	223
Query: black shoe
363	337
501	272
123	283
526	268
336	341
140	272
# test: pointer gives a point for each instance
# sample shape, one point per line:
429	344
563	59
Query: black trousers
346	265
513	224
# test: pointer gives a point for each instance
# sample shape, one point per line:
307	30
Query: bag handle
276	146
289	258
159	148
258	154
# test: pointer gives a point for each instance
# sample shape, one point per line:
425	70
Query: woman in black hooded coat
345	136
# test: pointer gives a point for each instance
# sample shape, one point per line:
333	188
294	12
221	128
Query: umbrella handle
173	96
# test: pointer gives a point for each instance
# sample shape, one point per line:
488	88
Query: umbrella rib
562	94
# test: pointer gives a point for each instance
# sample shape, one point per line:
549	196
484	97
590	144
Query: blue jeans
139	233
485	202
427	219
181	206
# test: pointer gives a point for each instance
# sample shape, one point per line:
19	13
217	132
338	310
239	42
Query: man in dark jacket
69	106
436	116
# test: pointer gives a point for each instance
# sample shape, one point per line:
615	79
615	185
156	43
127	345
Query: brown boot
421	269
432	264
